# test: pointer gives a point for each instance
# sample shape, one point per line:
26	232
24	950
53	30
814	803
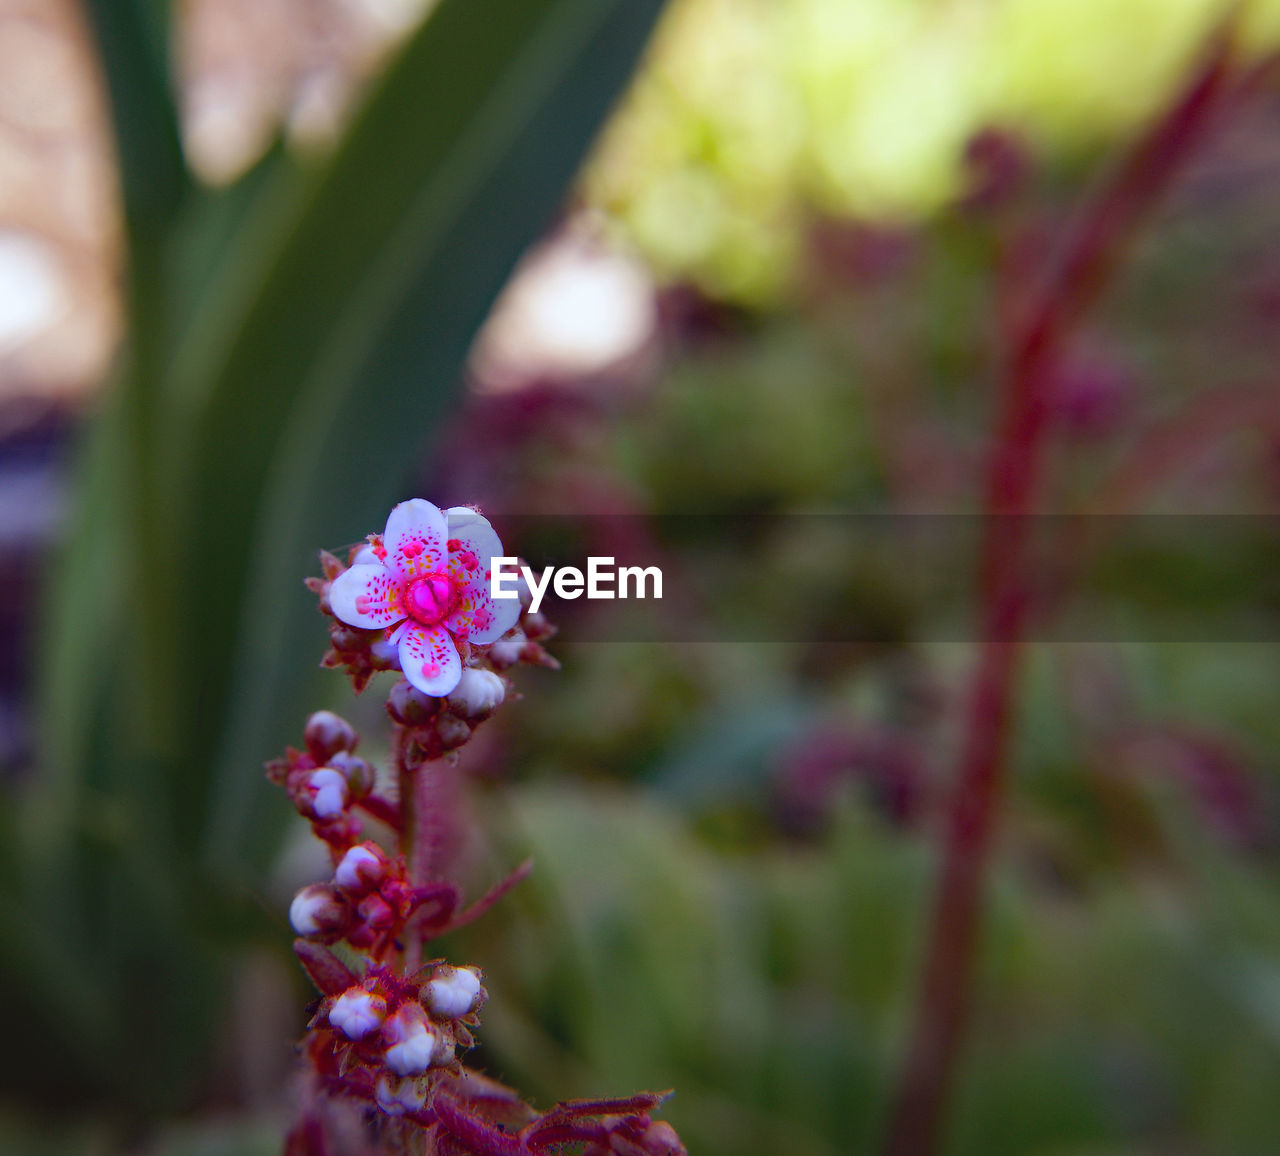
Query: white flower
452	993
395	1097
477	693
357	1012
330	798
412	1044
428	583
361	867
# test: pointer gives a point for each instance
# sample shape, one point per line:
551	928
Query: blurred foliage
734	842
744	922
754	116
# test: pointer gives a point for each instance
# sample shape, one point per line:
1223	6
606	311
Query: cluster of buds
385	1036
327	780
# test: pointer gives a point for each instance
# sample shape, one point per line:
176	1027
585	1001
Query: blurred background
267	267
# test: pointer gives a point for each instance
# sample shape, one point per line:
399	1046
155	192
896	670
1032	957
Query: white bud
477	693
452	993
506	651
385	652
360	868
412	1044
326	734
395	1097
357	1012
330	788
316	909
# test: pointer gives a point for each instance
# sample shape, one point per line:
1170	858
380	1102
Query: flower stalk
1093	252
382	1068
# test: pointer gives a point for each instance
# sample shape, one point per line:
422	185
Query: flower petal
472	532
473	545
415	540
367	596
429	659
491	617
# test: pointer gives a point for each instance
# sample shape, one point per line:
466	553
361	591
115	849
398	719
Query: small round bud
477	694
375	912
326	734
348	639
411	1042
453	992
359	774
396	1097
386	655
452	731
329	793
660	1139
507	650
409	706
318	910
361	868
357	1012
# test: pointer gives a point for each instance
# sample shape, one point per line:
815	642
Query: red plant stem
478	1136
1090	257
429	803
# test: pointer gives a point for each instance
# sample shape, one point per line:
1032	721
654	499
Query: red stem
1090	257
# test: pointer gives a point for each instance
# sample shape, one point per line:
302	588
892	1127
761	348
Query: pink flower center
430	600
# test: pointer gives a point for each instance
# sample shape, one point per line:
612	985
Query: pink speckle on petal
431	669
454	545
469	560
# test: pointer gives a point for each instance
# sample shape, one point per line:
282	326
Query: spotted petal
473	545
367	596
492	617
429	659
415	540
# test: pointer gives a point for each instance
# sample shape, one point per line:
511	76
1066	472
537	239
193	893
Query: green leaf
132	41
336	377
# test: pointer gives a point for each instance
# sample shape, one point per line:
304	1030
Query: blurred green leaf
362	324
132	40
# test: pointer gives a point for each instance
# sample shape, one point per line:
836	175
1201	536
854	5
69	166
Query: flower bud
395	1097
411	1042
318	910
357	1012
451	732
507	650
386	654
375	912
326	734
660	1139
328	793
359	774
361	868
453	992
477	694
409	706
